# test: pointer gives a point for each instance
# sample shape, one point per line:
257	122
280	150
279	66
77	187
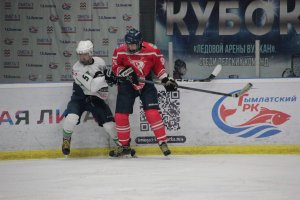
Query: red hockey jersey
148	59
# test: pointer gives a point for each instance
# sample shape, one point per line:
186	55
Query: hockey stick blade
243	90
217	70
213	75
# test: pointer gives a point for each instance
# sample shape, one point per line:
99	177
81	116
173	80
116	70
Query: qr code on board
169	110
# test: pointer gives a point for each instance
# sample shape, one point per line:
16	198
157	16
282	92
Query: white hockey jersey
84	77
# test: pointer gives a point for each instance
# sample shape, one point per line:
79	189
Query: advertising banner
267	114
206	33
39	37
31	117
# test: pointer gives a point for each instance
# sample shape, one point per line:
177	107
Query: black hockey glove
110	78
129	75
169	84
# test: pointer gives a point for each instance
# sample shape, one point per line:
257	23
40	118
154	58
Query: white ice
207	177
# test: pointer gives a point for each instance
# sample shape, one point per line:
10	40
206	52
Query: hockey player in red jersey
133	61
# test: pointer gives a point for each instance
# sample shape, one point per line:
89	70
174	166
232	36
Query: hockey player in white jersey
90	89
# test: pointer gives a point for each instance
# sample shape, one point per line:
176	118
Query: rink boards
264	120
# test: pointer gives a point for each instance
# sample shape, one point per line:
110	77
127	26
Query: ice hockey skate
121	151
66	146
164	148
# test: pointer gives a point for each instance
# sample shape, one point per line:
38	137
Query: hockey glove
169	84
129	75
110	78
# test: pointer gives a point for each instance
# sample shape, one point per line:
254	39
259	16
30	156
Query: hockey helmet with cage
134	36
85	47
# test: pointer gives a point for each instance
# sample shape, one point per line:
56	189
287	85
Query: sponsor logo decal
250	119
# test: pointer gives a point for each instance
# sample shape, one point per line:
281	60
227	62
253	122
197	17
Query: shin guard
123	128
156	124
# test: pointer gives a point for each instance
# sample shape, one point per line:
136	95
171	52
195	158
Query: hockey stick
245	89
215	73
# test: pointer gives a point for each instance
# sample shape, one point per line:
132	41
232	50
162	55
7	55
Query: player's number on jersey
85	77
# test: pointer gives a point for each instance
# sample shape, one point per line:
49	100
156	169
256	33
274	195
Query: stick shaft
189	88
208	79
206	91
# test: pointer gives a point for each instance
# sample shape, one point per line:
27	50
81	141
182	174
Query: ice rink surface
207	177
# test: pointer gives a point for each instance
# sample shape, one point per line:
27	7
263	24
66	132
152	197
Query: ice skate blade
134	156
122	157
168	157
